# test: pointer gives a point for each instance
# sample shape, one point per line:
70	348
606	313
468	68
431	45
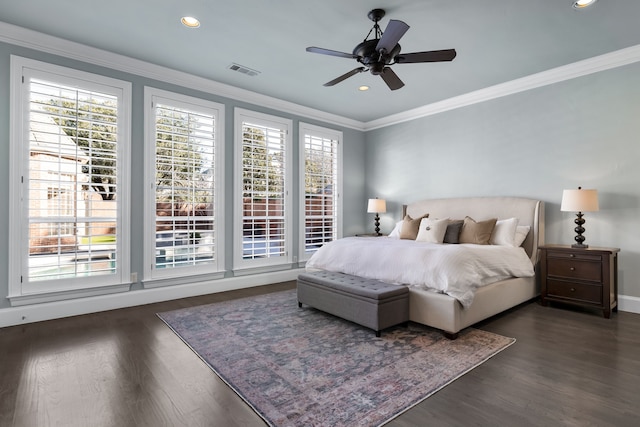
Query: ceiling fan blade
392	35
345	76
391	79
322	51
430	56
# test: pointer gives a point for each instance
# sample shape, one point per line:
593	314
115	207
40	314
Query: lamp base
579	230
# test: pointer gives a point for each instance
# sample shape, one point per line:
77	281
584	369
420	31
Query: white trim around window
184	185
262	192
69	233
320	166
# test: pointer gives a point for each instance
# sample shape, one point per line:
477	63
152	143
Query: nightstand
585	277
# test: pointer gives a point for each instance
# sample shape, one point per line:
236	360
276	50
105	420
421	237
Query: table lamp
377	206
579	201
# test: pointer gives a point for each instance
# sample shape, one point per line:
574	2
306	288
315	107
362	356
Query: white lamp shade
377	206
579	201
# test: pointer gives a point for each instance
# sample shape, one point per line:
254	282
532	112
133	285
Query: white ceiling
496	40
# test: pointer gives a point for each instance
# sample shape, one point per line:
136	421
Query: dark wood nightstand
585	277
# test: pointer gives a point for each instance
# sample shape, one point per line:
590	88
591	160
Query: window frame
324	133
21	291
247	266
160	277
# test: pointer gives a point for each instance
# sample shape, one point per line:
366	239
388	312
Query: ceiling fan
378	53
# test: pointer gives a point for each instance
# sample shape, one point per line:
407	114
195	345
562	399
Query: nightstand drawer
574	291
575	255
575	268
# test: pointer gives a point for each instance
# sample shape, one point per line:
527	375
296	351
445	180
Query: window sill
28	299
264	269
175	281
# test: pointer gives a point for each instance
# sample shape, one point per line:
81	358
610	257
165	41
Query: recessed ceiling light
363	88
581	4
190	21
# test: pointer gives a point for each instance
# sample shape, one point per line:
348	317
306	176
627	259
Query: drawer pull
572	255
572	269
573	289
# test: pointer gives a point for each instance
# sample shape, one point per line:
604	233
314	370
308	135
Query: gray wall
532	144
583	132
353	150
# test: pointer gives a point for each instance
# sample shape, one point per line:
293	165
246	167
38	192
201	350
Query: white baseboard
58	309
630	304
55	310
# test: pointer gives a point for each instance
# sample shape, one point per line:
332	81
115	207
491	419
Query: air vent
244	70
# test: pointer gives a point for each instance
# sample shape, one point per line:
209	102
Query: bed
434	304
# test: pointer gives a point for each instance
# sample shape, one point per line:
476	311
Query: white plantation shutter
319	161
70	156
72	182
184	173
263	191
263	152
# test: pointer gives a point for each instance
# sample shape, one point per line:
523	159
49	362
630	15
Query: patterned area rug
301	367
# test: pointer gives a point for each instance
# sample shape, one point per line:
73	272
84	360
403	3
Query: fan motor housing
368	55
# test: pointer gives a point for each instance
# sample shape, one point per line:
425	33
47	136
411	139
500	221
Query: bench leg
378	334
299	304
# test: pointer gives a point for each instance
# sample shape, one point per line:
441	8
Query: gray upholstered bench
367	302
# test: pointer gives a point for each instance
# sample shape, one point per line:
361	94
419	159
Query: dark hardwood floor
126	368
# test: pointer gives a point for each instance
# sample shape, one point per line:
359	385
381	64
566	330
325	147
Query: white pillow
432	230
521	234
504	232
395	233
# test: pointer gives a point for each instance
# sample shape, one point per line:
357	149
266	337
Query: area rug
302	367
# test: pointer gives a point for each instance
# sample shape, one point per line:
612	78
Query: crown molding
585	67
31	39
44	43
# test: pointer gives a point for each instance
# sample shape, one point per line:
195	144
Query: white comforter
456	270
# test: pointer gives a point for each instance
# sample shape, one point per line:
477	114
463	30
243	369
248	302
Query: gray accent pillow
452	235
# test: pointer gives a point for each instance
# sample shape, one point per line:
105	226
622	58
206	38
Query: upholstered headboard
528	211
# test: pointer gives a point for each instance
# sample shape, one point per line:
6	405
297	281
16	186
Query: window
320	162
69	183
184	172
263	164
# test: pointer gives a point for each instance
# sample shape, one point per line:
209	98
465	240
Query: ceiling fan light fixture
377	54
363	88
190	22
581	4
